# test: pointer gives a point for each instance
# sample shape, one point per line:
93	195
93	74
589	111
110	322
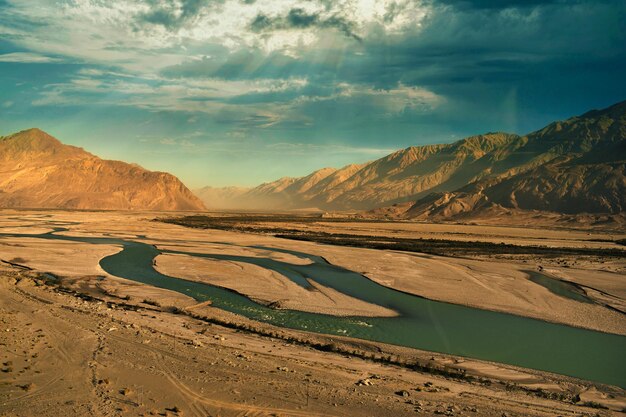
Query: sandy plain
84	345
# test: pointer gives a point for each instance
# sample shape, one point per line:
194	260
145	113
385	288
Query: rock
27	387
174	409
403	393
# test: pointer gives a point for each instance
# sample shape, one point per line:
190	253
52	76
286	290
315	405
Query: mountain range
38	171
572	166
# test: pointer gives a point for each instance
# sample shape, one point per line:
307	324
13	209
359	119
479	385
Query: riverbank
128	355
475	271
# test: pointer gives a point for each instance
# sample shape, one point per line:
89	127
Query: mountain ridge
571	166
38	171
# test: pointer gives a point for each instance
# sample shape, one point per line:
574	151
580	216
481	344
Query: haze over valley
572	166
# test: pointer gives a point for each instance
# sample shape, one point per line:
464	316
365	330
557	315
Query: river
421	323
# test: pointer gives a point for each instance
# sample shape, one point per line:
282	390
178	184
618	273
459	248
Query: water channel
421	323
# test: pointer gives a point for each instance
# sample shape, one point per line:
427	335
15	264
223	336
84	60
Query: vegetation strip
441	247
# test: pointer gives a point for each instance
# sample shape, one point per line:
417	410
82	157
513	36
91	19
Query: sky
240	92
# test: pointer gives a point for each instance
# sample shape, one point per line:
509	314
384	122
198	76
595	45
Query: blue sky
239	92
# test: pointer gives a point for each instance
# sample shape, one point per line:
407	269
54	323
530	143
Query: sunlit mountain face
239	92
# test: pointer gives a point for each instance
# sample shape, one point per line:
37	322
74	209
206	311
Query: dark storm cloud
491	45
518	4
452	46
501	4
173	15
480	59
300	19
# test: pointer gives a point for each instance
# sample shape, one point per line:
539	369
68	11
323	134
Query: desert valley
350	208
445	296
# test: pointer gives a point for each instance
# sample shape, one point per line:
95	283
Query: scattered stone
27	387
365	382
174	409
403	393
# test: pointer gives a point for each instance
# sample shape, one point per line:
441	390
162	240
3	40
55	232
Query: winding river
422	323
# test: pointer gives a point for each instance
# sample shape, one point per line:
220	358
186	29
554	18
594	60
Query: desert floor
88	343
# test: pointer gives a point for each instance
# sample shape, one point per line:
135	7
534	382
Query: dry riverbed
75	348
88	343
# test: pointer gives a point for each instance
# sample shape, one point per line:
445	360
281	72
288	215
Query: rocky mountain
38	171
577	166
572	166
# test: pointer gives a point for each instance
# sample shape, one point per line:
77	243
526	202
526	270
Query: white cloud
177	142
112	32
126	55
389	101
209	97
165	94
27	58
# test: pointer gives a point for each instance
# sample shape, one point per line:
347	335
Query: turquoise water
421	324
558	287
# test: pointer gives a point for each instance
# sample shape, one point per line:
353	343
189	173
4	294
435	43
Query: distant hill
38	171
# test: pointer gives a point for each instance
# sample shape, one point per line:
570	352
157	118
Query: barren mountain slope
570	166
38	171
580	167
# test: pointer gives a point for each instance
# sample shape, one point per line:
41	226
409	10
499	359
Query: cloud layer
354	74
